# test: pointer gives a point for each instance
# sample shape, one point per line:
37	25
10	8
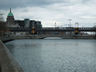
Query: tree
3	28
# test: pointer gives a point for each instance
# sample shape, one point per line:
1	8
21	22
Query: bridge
66	29
64	32
48	29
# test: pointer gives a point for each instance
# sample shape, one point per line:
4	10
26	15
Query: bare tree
3	28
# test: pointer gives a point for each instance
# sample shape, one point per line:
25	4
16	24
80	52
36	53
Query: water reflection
55	55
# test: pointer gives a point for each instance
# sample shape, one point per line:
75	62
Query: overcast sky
51	11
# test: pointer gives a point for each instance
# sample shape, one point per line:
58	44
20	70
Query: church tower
10	19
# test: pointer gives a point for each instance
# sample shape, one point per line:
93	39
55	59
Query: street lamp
55	24
76	24
70	20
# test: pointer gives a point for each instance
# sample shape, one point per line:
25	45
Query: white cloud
82	11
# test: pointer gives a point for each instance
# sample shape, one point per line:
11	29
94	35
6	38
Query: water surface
55	55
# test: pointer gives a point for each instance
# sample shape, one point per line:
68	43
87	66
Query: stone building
26	23
10	20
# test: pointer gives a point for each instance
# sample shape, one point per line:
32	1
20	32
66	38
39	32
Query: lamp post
55	24
76	28
95	29
70	21
76	24
69	25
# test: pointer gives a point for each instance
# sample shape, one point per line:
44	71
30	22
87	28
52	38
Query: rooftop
10	13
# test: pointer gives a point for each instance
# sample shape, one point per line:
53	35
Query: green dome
10	14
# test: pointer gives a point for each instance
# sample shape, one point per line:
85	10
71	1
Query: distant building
35	24
10	20
20	23
26	23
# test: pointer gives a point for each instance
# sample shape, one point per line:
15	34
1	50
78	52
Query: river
54	55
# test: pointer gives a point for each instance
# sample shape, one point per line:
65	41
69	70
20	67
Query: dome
10	13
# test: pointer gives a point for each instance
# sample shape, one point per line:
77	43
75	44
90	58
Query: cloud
24	3
51	11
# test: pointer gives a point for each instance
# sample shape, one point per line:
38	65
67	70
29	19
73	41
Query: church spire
10	10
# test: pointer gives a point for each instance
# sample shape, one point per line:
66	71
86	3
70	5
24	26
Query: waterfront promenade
7	62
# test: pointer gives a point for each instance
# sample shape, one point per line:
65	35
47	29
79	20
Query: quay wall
45	36
7	61
6	39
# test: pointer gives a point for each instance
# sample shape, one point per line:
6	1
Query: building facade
10	20
26	23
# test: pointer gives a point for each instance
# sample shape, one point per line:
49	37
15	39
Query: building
35	26
10	20
20	23
26	23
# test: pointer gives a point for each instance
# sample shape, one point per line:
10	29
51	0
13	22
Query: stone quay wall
7	61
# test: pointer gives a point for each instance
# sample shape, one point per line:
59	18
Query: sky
53	12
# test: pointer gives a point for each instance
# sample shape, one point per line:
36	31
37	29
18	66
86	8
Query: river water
54	55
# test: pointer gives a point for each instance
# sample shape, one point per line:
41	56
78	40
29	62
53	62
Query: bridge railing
89	29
